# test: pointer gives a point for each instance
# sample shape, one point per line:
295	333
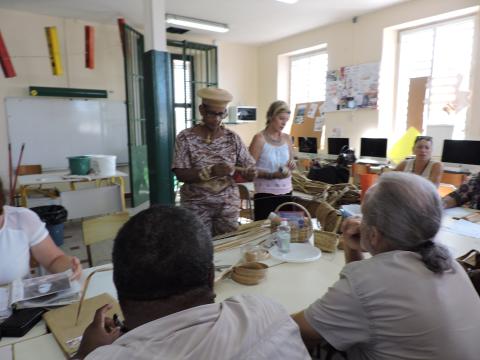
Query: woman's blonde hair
277	107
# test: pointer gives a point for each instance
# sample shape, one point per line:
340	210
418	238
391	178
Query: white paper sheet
463	227
457	212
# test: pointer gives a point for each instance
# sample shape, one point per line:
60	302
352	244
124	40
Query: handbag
471	263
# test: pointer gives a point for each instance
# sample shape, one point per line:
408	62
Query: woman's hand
291	165
221	170
102	331
76	268
249	173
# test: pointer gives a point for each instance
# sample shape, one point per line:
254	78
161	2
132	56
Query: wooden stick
14	187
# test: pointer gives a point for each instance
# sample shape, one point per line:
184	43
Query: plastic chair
246	207
102	228
456	179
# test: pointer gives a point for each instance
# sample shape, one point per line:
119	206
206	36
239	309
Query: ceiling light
196	23
288	1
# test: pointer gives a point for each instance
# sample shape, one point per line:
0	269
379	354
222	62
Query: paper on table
458	212
463	227
4	303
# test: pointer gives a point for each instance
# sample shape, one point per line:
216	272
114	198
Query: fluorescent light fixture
288	1
196	23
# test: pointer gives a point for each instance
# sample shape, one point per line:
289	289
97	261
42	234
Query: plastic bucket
79	165
366	180
104	164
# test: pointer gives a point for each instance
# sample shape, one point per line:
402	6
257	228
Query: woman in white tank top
423	164
272	150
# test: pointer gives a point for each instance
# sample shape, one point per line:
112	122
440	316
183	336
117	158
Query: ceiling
250	21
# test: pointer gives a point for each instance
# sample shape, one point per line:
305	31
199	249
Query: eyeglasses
221	114
420	138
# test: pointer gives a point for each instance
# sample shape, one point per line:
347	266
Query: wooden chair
456	179
102	228
445	189
246	204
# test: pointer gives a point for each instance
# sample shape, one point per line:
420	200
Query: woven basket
325	240
296	234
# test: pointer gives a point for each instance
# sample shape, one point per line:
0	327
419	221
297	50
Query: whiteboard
53	129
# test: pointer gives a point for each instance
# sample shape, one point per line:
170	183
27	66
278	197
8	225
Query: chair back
103	227
29	169
456	179
246	208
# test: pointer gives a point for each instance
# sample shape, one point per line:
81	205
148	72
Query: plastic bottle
283	237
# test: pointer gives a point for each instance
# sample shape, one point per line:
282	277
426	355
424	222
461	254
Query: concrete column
159	111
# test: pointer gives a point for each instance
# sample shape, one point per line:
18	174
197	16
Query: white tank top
409	167
271	159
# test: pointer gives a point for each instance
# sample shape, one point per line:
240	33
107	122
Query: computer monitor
461	152
335	145
373	149
307	145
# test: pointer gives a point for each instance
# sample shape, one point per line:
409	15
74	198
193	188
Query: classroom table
294	285
107	196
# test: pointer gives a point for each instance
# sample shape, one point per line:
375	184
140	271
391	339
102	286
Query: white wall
362	42
26	42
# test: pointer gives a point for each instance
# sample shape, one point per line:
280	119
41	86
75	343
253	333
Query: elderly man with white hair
410	300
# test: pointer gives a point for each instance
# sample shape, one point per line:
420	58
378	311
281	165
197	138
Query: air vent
176	30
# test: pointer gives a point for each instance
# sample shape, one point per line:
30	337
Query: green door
137	143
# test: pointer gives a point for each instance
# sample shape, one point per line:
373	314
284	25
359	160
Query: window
442	55
308	77
182	92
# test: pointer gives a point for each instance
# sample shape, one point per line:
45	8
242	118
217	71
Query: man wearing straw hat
206	156
163	272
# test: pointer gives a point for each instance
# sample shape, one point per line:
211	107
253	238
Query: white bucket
104	165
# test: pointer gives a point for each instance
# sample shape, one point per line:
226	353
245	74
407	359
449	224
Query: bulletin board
308	121
352	87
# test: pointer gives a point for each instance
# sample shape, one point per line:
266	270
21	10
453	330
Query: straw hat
214	96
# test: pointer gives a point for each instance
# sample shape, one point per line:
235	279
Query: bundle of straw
247	233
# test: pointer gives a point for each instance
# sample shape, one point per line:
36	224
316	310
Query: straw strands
247	233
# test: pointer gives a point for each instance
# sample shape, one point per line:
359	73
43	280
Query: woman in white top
423	164
272	150
21	233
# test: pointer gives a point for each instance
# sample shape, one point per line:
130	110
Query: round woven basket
296	234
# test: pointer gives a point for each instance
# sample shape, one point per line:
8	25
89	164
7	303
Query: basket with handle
296	234
330	220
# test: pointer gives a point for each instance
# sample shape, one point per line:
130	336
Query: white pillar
154	18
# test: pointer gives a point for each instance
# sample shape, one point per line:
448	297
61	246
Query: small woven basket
330	220
296	234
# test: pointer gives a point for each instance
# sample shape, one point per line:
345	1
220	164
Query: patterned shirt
191	152
469	191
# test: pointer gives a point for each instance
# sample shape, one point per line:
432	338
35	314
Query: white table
295	286
108	196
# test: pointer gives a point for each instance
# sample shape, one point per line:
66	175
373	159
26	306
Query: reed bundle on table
247	233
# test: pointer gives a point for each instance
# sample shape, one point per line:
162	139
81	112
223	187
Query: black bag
329	174
346	157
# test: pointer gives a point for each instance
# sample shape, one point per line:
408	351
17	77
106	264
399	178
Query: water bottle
283	237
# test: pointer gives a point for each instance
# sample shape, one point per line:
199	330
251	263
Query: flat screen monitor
335	145
373	147
461	152
307	145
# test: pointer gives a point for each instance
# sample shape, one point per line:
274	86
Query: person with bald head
205	159
410	299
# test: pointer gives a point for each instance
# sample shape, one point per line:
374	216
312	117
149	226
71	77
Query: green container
79	165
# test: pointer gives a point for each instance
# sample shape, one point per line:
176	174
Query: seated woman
22	232
468	192
423	164
410	300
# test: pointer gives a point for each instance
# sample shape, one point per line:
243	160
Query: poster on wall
352	87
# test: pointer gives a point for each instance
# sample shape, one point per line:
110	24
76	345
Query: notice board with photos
352	87
308	121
